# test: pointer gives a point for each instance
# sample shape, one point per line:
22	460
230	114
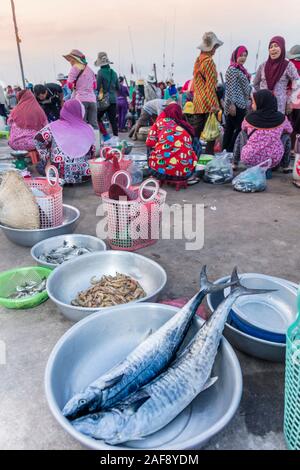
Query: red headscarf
28	114
274	69
173	111
234	60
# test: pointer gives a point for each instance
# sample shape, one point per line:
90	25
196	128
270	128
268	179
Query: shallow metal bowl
19	153
32	237
99	342
255	347
128	148
81	241
75	276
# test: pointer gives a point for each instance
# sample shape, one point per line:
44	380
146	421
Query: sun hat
189	108
151	79
76	55
171	81
294	53
209	41
102	60
61	76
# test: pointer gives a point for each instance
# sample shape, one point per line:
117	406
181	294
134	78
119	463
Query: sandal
296	183
193	181
286	171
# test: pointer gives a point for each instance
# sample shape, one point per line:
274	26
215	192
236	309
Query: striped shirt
205	84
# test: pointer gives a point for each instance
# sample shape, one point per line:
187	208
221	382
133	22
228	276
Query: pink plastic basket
51	203
133	225
102	169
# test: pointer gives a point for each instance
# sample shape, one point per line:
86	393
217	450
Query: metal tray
100	341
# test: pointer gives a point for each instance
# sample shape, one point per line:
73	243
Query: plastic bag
211	130
252	180
219	170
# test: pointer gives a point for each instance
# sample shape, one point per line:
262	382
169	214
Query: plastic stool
34	157
180	184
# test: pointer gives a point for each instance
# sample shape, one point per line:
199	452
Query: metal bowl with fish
53	252
259	342
74	277
102	340
32	237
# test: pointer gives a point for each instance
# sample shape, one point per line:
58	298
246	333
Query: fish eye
94	417
82	402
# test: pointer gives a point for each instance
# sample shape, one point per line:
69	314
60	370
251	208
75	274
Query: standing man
151	90
205	85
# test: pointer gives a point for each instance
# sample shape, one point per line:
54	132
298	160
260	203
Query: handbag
103	101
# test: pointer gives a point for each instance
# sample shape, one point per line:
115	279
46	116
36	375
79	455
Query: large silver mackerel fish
143	364
158	403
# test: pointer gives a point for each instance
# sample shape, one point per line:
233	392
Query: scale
20	157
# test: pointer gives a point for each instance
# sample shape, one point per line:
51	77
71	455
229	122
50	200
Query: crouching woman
265	134
170	140
68	144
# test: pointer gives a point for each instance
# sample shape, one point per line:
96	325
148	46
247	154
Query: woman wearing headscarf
205	85
68	143
265	134
276	74
171	142
237	96
25	120
122	102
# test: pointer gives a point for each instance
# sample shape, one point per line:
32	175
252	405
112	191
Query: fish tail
242	290
208	287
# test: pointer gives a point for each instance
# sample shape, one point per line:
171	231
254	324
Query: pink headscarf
274	69
234	60
28	114
74	136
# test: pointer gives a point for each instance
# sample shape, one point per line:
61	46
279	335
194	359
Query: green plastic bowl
9	280
205	159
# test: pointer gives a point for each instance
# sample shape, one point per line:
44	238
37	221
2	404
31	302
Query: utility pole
18	41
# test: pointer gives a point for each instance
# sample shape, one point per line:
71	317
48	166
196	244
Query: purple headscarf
275	68
74	136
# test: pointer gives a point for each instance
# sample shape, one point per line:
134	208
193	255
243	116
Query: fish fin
135	402
209	383
147	335
235	280
208	287
112	382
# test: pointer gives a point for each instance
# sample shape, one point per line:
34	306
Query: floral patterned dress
172	155
71	170
21	139
281	90
264	144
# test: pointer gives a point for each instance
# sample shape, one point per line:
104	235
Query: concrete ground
258	233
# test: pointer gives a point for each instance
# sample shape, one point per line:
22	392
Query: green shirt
107	79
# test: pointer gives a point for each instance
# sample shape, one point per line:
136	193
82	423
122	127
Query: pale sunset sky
138	32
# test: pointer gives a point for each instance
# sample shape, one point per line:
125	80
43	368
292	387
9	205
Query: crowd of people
259	114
